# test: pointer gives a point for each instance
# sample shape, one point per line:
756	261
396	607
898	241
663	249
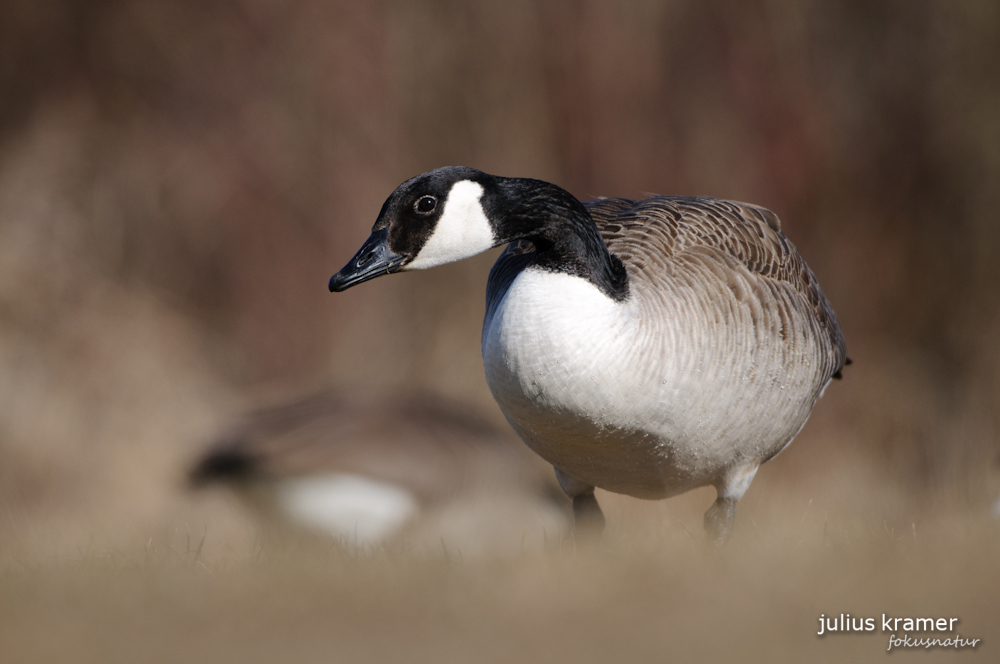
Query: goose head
435	218
455	212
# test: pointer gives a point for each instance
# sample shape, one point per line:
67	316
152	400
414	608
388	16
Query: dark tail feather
839	375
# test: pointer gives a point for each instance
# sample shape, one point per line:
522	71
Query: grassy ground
652	590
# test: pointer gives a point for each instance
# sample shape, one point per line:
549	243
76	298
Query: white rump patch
462	230
345	505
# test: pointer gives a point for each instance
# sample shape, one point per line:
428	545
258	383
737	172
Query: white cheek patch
462	230
346	505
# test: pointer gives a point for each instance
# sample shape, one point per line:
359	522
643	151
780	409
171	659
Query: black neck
562	230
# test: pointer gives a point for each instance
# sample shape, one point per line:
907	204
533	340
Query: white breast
649	397
564	362
554	341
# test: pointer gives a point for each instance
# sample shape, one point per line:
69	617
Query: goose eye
425	204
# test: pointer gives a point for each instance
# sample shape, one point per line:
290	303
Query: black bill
373	259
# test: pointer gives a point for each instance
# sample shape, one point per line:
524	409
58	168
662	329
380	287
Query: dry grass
652	591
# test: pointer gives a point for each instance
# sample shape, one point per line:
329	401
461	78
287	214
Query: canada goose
645	347
414	469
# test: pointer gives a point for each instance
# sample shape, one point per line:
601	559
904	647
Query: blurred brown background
179	179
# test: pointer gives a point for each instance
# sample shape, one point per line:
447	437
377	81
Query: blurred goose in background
412	469
645	347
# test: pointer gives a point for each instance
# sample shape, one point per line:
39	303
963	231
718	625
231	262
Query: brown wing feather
651	236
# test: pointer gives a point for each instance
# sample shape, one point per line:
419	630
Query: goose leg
720	516
719	519
587	514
